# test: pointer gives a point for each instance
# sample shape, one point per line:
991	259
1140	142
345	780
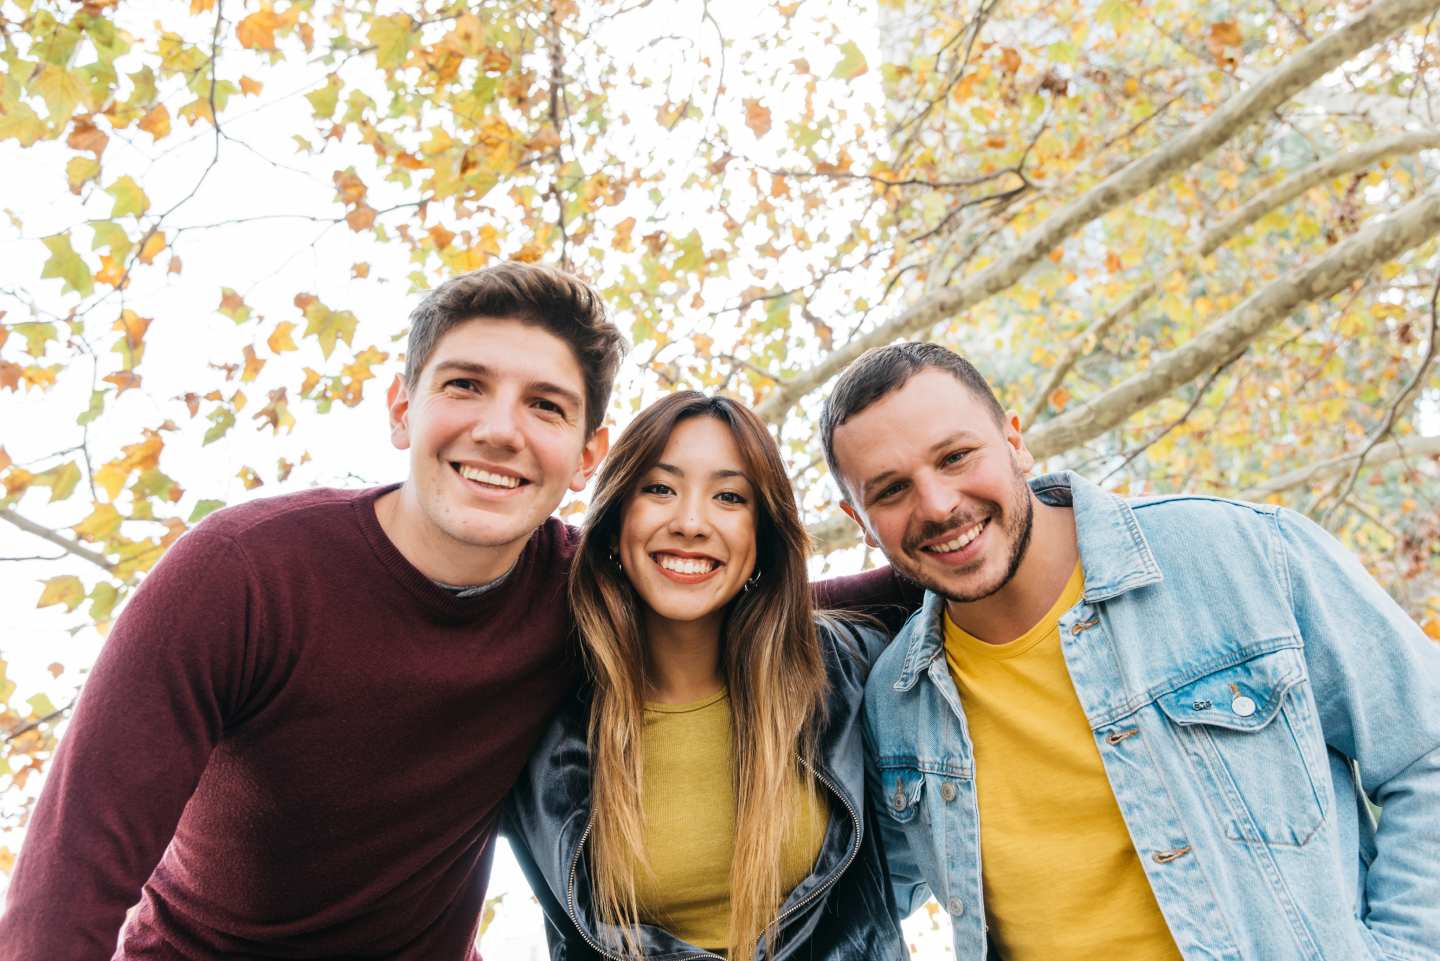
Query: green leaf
62	480
852	62
102	601
80	170
203	509
221	420
66	264
130	200
392	37
96	408
60	90
324	99
328	325
111	235
36	335
21	124
41	705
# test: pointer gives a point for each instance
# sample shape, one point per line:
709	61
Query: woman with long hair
706	797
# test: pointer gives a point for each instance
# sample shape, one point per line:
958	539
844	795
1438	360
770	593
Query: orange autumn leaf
250	87
257	31
157	122
757	117
152	247
280	340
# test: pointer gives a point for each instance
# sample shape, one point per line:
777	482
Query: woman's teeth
686	565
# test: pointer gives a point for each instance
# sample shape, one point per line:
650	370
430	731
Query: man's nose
497	426
935	499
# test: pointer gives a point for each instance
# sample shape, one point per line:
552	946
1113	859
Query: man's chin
956	586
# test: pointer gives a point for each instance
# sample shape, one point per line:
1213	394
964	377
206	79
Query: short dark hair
555	301
883	370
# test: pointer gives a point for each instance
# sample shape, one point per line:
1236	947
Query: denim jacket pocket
902	784
1249	731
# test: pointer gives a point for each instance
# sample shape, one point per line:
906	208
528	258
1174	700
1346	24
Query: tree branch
1406	396
1382	20
1318	173
1342	265
45	533
1382	454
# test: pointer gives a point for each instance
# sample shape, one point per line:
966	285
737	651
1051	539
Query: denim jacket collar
1113	554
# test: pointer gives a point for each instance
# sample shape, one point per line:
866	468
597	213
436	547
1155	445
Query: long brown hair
770	652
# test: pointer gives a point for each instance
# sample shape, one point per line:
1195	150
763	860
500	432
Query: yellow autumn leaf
280	339
65	589
103	521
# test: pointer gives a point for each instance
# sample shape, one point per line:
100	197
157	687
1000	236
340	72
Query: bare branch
59	540
1382	454
1318	173
38	722
1381	20
1344	264
1402	402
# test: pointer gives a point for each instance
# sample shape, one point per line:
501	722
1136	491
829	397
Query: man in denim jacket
1158	720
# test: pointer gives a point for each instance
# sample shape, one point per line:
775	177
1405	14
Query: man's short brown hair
883	370
555	301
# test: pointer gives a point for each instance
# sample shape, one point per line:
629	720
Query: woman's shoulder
851	640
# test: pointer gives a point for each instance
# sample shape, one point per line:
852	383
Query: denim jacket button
1243	706
947	791
955	907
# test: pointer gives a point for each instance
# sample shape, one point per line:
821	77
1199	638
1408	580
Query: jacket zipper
850	857
574	914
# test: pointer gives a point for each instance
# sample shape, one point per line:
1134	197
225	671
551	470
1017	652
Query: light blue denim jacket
1247	684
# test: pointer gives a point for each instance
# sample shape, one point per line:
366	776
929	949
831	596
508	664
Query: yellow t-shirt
689	804
1062	879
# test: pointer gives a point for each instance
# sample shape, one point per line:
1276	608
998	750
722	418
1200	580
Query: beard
1015	521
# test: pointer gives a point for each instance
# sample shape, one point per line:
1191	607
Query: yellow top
1062	879
689	803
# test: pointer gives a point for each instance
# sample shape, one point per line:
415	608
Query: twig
59	540
32	725
1393	411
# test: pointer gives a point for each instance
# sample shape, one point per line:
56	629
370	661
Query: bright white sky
267	262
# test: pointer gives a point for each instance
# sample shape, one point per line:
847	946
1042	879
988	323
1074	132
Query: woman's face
687	536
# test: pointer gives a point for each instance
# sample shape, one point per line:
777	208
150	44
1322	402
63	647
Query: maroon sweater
300	741
299	746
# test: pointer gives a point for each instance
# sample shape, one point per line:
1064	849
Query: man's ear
1019	452
591	455
397	401
854	515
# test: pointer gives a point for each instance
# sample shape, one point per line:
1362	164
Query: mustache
936	530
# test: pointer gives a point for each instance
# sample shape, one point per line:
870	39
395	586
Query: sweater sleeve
151	711
880	593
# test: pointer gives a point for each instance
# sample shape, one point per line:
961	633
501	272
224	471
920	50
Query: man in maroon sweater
298	736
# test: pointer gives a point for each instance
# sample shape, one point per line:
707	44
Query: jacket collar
1113	554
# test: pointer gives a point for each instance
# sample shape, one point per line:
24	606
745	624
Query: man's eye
889	492
550	407
460	383
955	457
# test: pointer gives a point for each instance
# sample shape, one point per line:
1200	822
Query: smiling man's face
495	426
939	486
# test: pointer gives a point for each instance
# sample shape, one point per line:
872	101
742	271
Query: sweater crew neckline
444	603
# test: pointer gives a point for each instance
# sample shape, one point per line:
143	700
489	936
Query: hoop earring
752	580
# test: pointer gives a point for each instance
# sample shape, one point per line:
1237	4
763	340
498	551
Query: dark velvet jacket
843	911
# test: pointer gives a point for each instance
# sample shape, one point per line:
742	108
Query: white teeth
686	565
486	477
959	542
